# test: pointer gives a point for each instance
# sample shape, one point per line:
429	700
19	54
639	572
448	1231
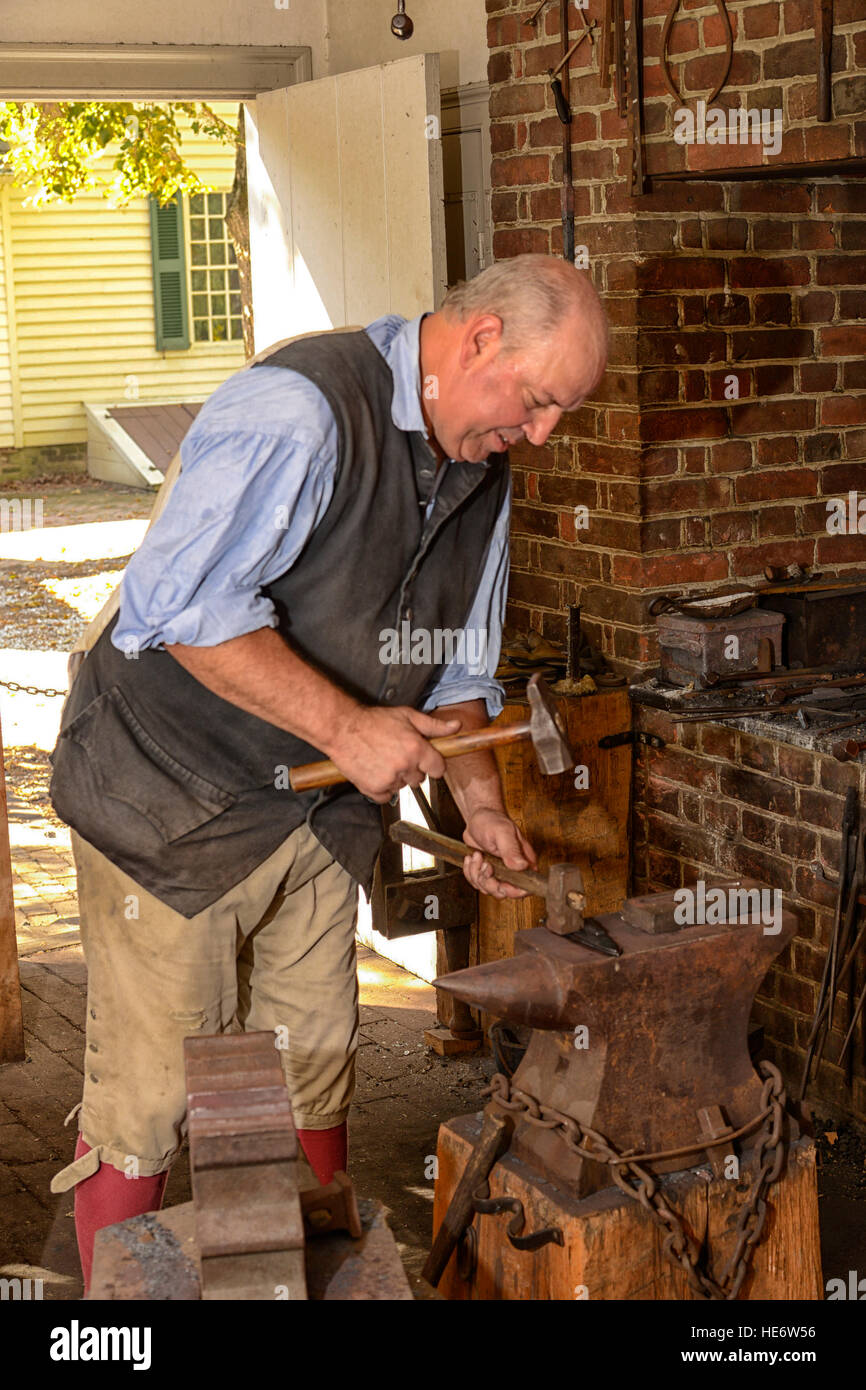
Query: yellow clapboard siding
84	308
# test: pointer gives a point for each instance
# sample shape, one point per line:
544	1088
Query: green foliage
117	148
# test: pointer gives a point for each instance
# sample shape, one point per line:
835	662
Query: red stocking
327	1150
108	1196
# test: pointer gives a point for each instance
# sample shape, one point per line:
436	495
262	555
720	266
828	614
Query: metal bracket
631	736
494	1206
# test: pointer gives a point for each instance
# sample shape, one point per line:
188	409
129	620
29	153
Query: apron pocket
126	764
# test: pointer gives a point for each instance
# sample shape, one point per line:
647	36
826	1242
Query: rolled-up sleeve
471	674
241	511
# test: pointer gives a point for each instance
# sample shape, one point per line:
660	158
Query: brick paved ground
403	1094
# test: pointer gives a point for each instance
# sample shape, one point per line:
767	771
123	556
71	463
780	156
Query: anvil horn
527	989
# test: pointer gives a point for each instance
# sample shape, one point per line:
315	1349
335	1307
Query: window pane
233	260
234	280
219	330
215	203
199	306
237	328
201	330
216	229
196	203
217	253
234	304
196	229
198	253
199	280
217	279
218	304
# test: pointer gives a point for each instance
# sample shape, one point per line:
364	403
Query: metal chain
32	689
636	1182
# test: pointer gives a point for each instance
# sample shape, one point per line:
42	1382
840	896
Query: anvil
633	1046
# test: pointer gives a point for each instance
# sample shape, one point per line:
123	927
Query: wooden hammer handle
327	774
455	851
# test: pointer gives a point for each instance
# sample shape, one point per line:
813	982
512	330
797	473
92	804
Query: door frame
159	72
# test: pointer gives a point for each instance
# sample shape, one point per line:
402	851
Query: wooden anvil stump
649	1050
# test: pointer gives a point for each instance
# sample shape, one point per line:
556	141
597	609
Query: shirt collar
399	341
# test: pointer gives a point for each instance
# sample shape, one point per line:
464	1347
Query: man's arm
380	749
473	780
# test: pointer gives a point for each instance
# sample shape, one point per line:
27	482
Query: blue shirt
257	474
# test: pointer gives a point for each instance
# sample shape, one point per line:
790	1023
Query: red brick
764	417
748	272
818	236
776	521
730	527
519	241
758	753
838	777
685	495
817	307
829	142
843	410
777	449
799	15
770	197
820	808
632	572
749	561
660	425
761	830
841	270
761	21
790	59
773	236
503	139
761	343
523	169
847	341
776	380
823	376
722	817
727	233
796	841
732	456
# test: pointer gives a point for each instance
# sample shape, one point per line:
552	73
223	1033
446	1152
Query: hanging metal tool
634	97
728	58
561	96
824	39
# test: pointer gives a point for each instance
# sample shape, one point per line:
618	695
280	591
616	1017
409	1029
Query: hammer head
547	730
565	899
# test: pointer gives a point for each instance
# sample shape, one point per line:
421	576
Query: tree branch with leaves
123	151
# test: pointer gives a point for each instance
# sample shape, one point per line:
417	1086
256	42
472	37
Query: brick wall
762	280
703	280
715	803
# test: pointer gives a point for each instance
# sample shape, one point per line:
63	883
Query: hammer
562	889
544	727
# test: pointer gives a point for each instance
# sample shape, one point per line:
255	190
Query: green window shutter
169	274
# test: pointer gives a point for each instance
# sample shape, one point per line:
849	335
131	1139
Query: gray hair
533	295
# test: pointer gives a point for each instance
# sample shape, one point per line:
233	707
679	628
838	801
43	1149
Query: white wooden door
345	196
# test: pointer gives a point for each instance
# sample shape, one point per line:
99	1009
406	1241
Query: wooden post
11	1022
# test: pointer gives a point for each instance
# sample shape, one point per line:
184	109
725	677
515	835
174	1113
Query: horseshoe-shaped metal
729	51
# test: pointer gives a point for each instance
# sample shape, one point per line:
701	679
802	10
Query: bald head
511	350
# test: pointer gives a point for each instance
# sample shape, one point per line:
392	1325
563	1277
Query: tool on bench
544	728
562	889
824	39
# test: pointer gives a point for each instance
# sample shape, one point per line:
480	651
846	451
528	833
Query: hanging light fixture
401	25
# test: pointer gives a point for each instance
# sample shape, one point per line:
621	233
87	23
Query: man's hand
496	833
381	749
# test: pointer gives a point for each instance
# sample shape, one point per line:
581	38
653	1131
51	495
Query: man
347	485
